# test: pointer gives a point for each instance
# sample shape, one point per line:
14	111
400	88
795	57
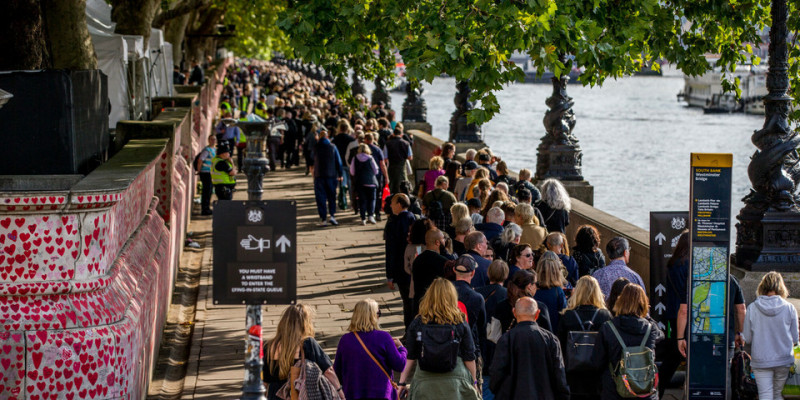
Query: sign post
255	256
665	229
707	376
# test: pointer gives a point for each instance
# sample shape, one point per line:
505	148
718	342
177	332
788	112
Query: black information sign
710	243
665	229
255	252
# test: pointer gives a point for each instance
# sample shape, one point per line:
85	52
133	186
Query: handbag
394	385
343	190
288	391
494	330
792	386
409	170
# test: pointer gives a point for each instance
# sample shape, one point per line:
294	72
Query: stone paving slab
337	267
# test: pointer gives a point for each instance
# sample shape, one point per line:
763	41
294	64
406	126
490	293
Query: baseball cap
470	165
474	202
466	264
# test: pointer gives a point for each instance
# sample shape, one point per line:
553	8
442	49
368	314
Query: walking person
397	152
365	171
366	356
446	367
203	166
770	326
555	205
628	329
395	235
223	173
527	362
294	340
327	172
586	311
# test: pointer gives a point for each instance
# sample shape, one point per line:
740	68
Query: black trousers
224	192
205	195
670	360
408	303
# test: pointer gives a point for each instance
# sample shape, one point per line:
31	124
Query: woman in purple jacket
366	356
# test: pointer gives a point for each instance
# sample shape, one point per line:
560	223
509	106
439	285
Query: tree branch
183	8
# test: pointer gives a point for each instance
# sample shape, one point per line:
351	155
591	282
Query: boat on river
705	91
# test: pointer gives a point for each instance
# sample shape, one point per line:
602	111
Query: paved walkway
337	267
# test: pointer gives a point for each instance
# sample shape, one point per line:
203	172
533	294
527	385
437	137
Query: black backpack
197	158
439	346
435	209
580	345
743	382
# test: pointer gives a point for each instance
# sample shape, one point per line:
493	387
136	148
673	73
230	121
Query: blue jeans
325	191
487	394
366	197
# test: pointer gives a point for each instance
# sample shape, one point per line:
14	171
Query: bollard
255	166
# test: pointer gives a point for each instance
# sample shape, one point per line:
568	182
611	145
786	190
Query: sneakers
363	222
333	221
372	219
323	223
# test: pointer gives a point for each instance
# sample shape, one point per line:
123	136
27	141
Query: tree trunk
134	17
22	36
70	44
198	45
174	32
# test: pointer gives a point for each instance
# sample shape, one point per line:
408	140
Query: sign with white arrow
660	238
255	256
660	307
664	226
660	289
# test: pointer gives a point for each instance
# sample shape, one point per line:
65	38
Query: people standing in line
327	172
522	284
395	234
587	251
521	258
555	205
415	247
616	290
619	251
343	138
503	175
771	329
470	169
366	356
309	143
495	197
492	226
474	206
465	271
532	233
463	227
294	340
384	131
556	243
223	174
586	311
204	165
197	76
435	170
525	183
275	143
527	363
549	287
383	176
634	328
436	204
397	152
476	245
365	171
452	171
493	294
449	155
439	313
677	274
473	190
484	161
428	265
504	244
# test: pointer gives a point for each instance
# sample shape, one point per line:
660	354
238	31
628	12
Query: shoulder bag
394	384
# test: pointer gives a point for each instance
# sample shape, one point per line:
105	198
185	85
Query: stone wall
87	264
609	226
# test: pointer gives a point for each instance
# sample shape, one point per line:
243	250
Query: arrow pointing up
660	289
661	325
283	242
660	307
660	238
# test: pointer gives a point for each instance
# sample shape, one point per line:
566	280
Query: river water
636	139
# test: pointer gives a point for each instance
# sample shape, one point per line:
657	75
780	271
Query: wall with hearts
86	275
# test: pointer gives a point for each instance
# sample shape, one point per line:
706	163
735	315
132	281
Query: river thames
636	139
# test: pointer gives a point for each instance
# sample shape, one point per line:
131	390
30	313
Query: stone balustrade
87	263
425	146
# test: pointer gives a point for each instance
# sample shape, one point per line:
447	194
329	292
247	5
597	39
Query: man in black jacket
527	361
395	235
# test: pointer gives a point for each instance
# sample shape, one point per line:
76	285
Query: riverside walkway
337	267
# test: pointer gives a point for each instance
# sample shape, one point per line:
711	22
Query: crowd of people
497	300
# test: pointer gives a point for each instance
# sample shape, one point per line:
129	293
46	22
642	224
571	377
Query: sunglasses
528	255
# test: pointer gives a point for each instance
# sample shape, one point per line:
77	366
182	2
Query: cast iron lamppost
462	131
381	94
255	166
768	232
559	154
357	87
414	107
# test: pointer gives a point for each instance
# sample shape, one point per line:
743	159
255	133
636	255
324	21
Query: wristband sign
255	252
710	245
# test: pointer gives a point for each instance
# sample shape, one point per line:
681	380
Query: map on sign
710	270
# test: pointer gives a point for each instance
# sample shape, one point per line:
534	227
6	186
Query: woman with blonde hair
472	190
532	233
586	311
770	326
457	212
555	205
447	370
294	340
435	170
366	356
549	289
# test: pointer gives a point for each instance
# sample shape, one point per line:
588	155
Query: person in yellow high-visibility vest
223	173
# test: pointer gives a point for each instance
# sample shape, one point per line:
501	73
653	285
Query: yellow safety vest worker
261	109
218	177
225	106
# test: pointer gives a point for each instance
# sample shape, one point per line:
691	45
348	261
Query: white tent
98	13
112	59
160	71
